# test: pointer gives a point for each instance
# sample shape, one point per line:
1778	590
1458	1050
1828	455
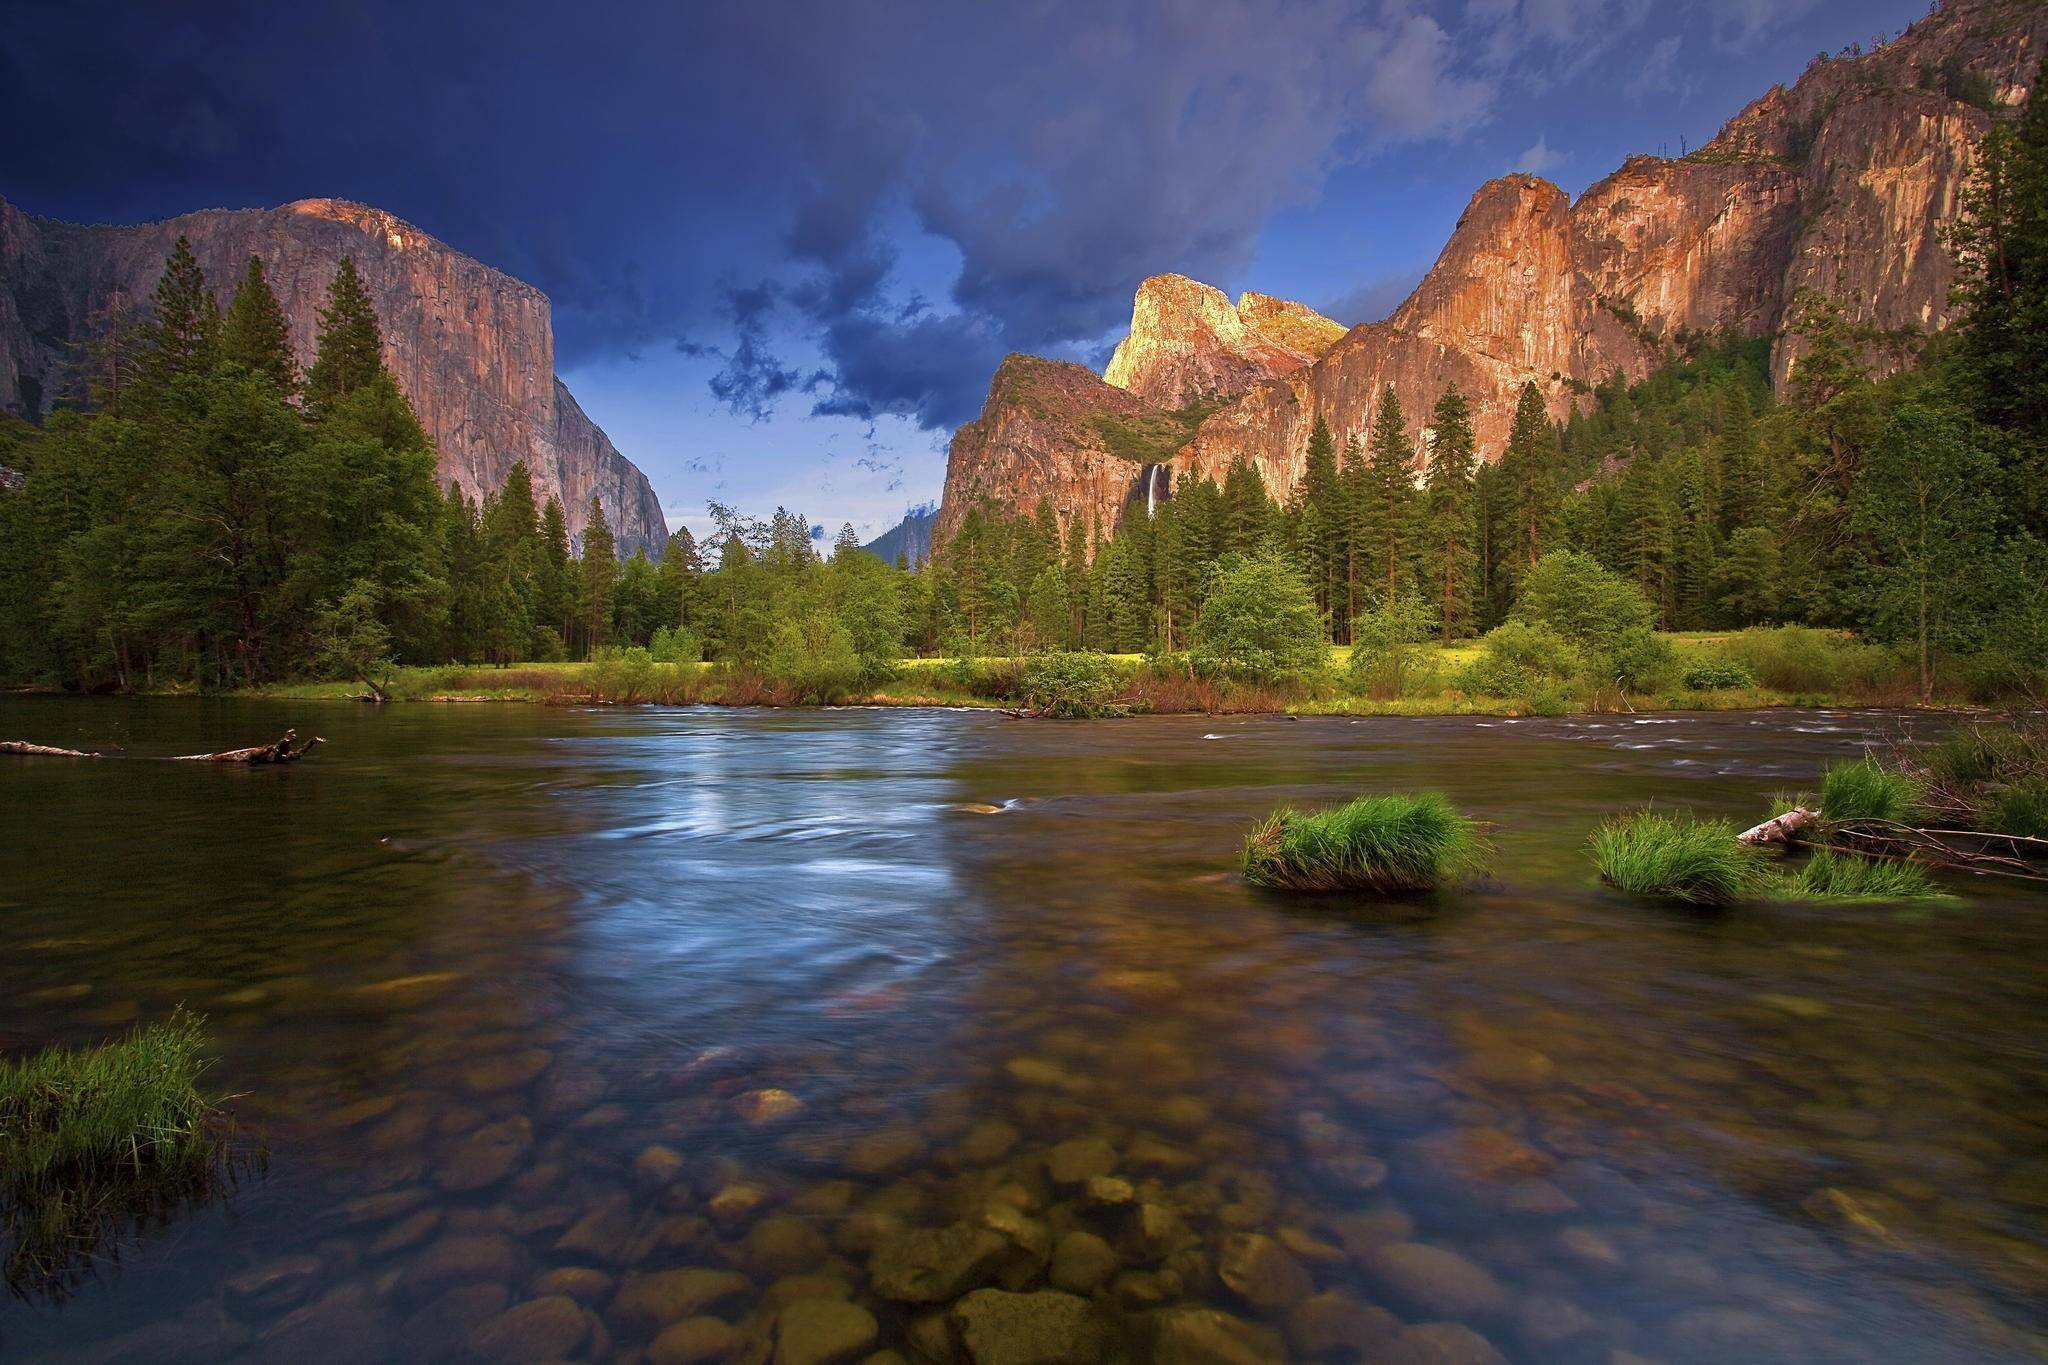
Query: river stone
1107	1192
1149	1154
579	1282
1082	1262
381	1208
487	1156
461	1258
659	1297
931	1265
790	1288
1205	1336
762	1107
406	1232
343	1326
657	1166
1258	1270
885	1152
987	1142
1547	1321
823	1332
1589	1245
733	1205
1045	1328
782	1244
693	1341
507	1072
1438	1282
1334	1321
601	1234
1079	1159
1151	1232
1440	1343
274	1284
539	1329
1483	1154
439	1330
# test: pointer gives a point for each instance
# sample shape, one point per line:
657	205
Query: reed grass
1675	857
1863	790
1832	876
1388	843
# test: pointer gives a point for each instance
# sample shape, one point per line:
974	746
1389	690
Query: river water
535	1008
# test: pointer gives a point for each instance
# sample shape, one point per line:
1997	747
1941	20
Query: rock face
1188	343
473	349
1842	183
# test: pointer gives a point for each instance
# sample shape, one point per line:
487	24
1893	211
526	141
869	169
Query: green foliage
1575	596
1081	685
351	348
1637	660
351	641
1259	623
675	645
1381	844
1832	876
96	1139
623	674
814	655
1387	657
2021	809
1865	790
1714	675
1802	660
1675	857
255	335
1518	657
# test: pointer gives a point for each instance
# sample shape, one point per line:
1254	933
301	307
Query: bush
1698	862
1835	876
2023	811
1716	675
1377	843
1518	656
622	675
1259	623
95	1139
1579	598
1862	790
1076	686
1801	659
1638	660
675	645
1387	659
813	655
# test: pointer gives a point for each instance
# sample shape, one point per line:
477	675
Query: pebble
656	1298
932	1265
694	1341
540	1329
1191	1335
1042	1328
1437	1281
486	1156
1260	1271
1082	1262
823	1332
763	1107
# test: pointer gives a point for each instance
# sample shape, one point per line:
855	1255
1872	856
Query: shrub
1387	660
1638	660
1581	599
1845	877
1076	686
622	675
813	655
675	645
1802	659
98	1138
1863	790
1259	623
1518	656
1382	844
1698	862
2023	810
1715	675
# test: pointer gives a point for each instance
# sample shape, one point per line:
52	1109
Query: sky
788	242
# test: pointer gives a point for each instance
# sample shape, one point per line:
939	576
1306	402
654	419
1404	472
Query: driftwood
27	750
280	752
1781	829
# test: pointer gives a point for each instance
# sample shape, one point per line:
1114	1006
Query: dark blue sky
788	242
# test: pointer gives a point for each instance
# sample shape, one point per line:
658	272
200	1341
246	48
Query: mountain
473	349
1842	183
910	537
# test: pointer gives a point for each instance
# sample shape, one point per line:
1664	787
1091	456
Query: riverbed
670	1034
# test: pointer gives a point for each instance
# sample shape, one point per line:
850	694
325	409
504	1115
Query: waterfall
1158	487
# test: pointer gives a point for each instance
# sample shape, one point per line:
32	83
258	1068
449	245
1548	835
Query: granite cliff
1842	182
473	349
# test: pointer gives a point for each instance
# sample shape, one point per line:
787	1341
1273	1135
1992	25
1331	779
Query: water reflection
601	1033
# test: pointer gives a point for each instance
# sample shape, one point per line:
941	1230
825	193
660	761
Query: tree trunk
279	752
27	750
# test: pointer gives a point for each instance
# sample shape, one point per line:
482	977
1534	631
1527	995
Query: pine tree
183	336
555	601
599	577
1247	510
1741	472
1322	532
1529	477
1387	517
350	350
255	334
1450	513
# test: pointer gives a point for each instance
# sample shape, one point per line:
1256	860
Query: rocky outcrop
1188	343
473	349
1842	183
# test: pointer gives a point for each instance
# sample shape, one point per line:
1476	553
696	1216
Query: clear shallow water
502	987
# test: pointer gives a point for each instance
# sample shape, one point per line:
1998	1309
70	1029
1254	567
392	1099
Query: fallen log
1779	829
27	750
279	752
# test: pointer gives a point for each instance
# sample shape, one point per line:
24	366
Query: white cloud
1540	158
1659	73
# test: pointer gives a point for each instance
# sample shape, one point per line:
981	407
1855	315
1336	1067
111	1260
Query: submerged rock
823	1332
1082	1262
1441	1343
1043	1328
931	1265
487	1156
694	1341
761	1107
539	1329
1438	1282
1080	1159
660	1297
1258	1270
1207	1336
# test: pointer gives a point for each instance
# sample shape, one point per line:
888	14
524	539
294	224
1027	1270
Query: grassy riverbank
1770	669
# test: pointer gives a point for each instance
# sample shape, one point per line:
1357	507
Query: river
531	1006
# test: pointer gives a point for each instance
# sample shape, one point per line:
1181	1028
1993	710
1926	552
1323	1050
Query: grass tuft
1387	843
1675	857
96	1139
1864	791
1830	876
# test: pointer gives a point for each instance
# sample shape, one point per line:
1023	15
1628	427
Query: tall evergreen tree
255	334
1529	478
599	576
1450	514
1387	518
183	336
350	349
